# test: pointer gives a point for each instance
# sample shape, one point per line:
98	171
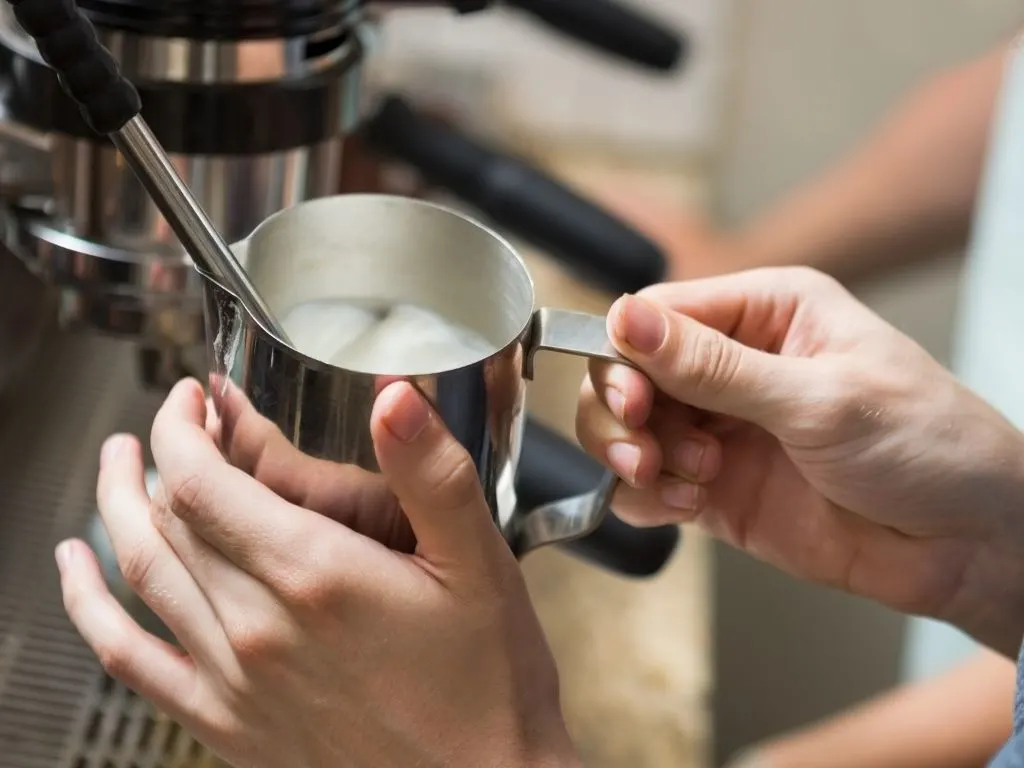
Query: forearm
907	193
957	720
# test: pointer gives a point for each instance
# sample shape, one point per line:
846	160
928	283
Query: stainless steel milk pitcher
391	250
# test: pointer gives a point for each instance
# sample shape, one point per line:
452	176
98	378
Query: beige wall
810	77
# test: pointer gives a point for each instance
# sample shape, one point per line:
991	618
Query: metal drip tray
57	707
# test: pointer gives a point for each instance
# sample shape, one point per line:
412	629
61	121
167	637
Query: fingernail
408	417
642	325
616	403
689	456
681	496
63	555
111	447
625	460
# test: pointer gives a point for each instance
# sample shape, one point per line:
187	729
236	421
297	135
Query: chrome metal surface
57	708
181	60
574	333
113	260
390	250
186	217
112	290
99	198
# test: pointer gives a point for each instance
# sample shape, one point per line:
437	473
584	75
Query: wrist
989	602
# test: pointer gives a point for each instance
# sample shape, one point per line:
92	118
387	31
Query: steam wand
111	106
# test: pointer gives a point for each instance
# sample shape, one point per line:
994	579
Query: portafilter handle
111	106
611	27
519	197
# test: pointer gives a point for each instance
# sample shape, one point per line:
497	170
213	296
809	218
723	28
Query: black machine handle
89	74
612	27
608	26
552	468
519	197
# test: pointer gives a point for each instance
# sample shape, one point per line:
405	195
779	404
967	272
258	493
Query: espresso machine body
254	123
261	104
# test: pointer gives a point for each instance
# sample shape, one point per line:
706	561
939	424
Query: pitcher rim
316	364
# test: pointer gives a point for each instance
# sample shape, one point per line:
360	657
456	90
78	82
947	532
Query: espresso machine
261	104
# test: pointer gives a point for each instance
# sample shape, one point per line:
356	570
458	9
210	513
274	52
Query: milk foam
402	340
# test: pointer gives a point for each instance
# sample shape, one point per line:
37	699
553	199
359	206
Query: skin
898	730
833	447
305	642
906	193
845	454
246	678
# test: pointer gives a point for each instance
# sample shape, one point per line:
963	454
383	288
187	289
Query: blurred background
719	651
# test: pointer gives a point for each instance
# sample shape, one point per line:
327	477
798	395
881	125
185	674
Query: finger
627	393
241	518
435	480
149	666
671	500
232	593
688	451
144	558
700	366
757	306
212	422
632	454
349	494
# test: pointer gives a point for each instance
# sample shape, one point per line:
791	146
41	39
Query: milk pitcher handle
636	552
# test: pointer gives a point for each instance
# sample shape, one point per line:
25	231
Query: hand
303	642
357	499
793	423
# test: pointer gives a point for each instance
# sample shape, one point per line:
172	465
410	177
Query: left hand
790	421
303	642
354	497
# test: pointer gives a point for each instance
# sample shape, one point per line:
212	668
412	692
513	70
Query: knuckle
255	642
710	361
116	660
312	589
185	495
137	564
453	478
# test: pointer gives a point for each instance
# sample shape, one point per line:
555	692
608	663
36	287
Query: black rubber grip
611	27
520	198
88	73
553	468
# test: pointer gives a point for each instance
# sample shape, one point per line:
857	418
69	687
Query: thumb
702	367
435	480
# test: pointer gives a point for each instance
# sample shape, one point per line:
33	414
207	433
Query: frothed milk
400	340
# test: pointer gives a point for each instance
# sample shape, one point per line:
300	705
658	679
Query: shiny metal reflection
394	250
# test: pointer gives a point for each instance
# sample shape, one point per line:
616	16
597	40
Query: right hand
789	420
